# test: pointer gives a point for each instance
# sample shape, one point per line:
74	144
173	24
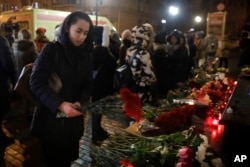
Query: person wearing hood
60	136
178	54
24	49
139	59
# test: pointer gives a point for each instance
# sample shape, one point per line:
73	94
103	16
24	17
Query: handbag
123	77
22	86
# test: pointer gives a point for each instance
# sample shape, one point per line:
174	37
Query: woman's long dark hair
72	19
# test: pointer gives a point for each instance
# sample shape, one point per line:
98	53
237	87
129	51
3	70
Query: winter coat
123	50
179	62
24	52
74	67
103	62
141	64
162	67
8	70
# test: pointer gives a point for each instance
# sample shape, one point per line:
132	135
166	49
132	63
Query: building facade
125	14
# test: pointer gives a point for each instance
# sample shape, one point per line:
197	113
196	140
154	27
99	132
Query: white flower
205	140
204	164
217	162
201	153
164	150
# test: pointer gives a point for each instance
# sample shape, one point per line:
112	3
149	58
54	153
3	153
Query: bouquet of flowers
174	150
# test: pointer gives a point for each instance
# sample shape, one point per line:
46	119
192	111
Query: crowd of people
88	57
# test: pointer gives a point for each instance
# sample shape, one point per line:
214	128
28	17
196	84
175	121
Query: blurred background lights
163	21
173	10
197	19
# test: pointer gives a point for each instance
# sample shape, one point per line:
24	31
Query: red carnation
132	104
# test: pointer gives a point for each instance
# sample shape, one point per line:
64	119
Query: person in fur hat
139	59
104	66
40	39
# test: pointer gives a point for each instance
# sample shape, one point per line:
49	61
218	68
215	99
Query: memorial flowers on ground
164	135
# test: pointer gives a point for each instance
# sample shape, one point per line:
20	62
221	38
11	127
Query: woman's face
173	40
78	32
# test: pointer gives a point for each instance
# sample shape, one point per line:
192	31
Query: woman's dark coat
75	69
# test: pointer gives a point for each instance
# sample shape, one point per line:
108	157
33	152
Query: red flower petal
132	104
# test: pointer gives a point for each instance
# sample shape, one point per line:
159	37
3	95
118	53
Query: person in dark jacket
104	66
192	51
115	44
24	49
244	40
25	52
8	78
60	135
126	43
178	54
161	64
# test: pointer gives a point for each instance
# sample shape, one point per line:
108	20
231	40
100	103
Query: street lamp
173	10
197	19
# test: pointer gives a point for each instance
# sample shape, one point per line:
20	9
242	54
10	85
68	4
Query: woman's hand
70	109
